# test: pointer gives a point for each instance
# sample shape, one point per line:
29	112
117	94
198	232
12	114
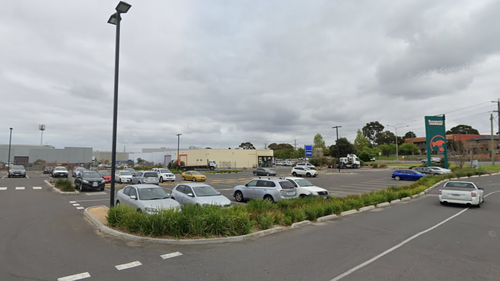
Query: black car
89	180
17	171
264	172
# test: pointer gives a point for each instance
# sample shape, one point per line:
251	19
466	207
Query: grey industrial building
28	154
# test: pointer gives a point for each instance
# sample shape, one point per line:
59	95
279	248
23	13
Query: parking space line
3	188
37	187
76	204
80	208
75	277
95	193
20	188
72	202
128	265
171	255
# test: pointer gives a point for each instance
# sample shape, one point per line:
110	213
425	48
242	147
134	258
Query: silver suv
270	189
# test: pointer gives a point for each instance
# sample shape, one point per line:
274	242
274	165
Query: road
45	237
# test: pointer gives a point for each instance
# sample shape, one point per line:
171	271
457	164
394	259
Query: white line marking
171	255
394	248
96	193
128	265
71	202
78	276
37	187
80	208
20	188
89	200
76	204
3	188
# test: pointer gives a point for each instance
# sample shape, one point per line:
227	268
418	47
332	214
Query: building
28	154
478	144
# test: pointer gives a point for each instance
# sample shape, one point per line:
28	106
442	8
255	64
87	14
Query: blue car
406	174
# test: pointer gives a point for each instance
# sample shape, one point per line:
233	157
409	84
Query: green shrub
383	166
265	221
374	165
259	206
64	185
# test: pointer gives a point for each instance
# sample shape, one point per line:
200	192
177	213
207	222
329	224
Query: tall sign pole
435	134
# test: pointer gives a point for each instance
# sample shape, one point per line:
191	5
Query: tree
458	152
318	141
361	141
408	148
140	161
410	135
372	129
283	146
285	153
345	147
272	146
462	130
247	145
388	149
386	137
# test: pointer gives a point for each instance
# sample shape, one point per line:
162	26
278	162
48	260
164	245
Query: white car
306	188
146	198
303	171
461	192
305	165
439	171
164	174
123	176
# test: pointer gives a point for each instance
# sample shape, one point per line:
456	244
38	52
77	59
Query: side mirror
133	197
190	195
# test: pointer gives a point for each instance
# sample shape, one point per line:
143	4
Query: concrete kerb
347	213
301	224
56	190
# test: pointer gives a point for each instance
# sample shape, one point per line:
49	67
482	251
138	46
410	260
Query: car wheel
397	178
294	174
303	196
183	178
194	179
308	175
161	179
117	203
102	188
254	174
81	187
269	198
238	196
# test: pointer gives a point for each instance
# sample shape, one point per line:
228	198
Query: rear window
150	175
460	185
286	185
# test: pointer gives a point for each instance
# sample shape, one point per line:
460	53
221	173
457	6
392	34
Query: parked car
436	160
77	170
145	177
461	192
406	174
304	171
48	170
271	189
439	171
105	175
123	176
89	180
264	172
131	170
59	171
306	165
16	171
193	176
146	198
199	194
423	170
305	188
164	174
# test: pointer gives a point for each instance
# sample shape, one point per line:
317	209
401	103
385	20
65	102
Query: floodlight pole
10	142
337	145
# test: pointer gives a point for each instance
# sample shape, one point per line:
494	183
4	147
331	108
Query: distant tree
372	129
140	161
208	147
462	130
272	146
410	135
388	149
318	141
247	145
361	141
408	148
299	153
283	146
39	162
458	152
386	137
345	147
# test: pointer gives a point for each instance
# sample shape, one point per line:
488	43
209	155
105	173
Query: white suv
306	189
164	174
305	165
303	171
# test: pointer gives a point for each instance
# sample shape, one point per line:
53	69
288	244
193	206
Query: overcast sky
225	72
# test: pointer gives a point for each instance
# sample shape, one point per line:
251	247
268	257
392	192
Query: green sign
435	134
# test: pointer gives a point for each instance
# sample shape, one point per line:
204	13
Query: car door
249	189
261	188
180	194
125	199
188	176
189	199
133	202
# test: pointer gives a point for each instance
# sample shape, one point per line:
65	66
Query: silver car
270	189
146	198
199	194
17	171
145	177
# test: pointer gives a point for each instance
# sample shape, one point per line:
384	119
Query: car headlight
103	180
85	181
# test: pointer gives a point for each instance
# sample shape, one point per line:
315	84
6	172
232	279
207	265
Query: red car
105	175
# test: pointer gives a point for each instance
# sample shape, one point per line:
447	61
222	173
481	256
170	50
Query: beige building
228	158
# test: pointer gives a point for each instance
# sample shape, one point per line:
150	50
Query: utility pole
337	145
492	144
295	141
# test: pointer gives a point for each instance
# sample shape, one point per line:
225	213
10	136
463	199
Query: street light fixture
178	156
10	141
337	145
115	19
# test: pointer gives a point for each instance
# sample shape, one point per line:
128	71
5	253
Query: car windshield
150	175
104	173
152	193
195	173
462	185
17	167
91	175
59	169
205	190
125	173
164	171
303	182
286	185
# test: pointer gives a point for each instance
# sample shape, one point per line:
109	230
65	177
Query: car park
145	177
264	172
105	175
306	189
164	174
461	192
146	198
304	171
199	194
193	176
270	189
59	172
123	176
89	180
439	171
16	171
406	174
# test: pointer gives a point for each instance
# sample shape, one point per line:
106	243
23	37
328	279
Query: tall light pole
337	145
115	19
178	156
41	127
10	141
396	129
